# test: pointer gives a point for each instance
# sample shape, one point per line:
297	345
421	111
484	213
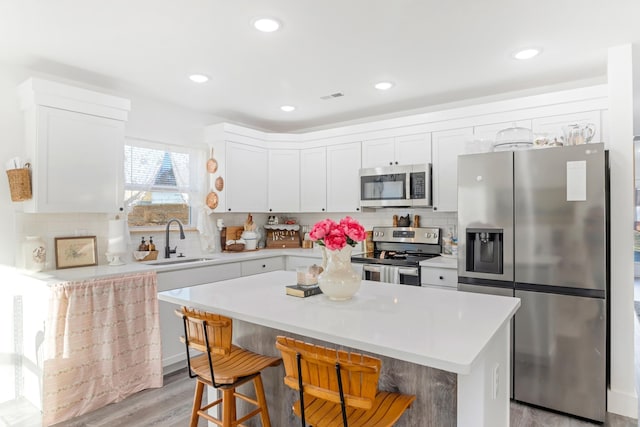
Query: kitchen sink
172	261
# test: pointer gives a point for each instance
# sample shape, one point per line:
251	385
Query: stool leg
197	404
262	401
228	407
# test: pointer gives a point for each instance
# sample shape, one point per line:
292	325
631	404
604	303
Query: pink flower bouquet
335	236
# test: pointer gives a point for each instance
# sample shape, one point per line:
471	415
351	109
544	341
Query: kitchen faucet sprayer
167	249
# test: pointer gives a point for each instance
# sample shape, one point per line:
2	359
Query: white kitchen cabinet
343	180
447	145
553	125
264	265
439	277
171	328
313	179
75	144
247	177
284	180
293	262
401	150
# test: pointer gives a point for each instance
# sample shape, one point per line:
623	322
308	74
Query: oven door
391	274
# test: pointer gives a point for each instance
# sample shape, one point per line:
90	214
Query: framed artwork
78	251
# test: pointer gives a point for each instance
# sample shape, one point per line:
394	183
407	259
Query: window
160	182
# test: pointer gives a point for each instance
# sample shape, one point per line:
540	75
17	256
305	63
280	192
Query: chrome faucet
167	249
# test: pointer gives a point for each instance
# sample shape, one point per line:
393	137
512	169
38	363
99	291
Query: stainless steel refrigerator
533	224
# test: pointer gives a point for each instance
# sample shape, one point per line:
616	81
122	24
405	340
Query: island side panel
483	394
435	390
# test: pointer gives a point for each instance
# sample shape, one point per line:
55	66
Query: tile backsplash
50	226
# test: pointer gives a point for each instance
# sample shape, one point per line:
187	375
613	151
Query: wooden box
283	238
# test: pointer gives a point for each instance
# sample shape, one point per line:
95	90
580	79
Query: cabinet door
313	180
258	266
447	145
284	180
413	149
553	125
78	162
378	152
246	178
343	180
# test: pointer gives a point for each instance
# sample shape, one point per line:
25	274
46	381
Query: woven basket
20	184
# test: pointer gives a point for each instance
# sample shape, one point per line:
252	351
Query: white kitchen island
450	349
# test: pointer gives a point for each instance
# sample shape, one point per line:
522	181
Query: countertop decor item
79	251
513	138
35	253
338	281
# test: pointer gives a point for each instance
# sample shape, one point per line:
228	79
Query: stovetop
401	246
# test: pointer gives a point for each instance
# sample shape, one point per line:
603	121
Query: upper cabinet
447	145
75	144
284	180
246	178
402	150
343	180
313	179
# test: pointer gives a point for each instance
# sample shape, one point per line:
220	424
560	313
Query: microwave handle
408	186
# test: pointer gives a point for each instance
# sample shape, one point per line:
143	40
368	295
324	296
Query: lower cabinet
440	277
171	328
294	262
264	265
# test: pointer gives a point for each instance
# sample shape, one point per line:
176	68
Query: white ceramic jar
35	253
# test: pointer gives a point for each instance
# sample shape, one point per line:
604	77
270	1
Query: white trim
622	403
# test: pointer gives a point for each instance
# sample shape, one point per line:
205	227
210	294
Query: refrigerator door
485	202
560	215
560	353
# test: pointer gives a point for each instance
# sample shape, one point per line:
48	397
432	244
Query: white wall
149	119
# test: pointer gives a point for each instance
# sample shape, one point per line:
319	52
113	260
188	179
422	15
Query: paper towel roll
117	242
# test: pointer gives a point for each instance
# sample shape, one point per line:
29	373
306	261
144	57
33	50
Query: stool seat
229	369
386	410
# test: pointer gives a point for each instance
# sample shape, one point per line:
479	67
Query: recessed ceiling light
266	25
383	85
527	53
287	108
198	78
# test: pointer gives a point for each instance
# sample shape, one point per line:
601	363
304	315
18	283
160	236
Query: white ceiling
435	51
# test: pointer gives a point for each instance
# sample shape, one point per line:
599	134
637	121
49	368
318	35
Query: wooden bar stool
223	366
336	385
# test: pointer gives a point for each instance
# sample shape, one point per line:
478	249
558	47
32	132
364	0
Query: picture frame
77	251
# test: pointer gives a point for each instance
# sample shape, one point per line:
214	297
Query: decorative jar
34	252
339	281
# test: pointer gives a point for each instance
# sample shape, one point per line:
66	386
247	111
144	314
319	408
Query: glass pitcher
575	134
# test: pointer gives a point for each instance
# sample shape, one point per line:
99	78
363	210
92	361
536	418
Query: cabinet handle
357	209
441	277
396	163
435	208
121	209
229	209
390	163
270	210
264	266
322	209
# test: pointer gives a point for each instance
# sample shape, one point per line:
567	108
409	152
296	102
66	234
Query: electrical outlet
496	381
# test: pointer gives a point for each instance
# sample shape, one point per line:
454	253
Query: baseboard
622	403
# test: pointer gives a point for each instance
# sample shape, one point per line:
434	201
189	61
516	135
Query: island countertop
430	327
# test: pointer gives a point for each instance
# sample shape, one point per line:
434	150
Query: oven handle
408	271
371	268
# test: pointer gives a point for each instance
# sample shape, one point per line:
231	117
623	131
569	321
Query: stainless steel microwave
396	186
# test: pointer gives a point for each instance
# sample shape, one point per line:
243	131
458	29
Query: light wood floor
170	406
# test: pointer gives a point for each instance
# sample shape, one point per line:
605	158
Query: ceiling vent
333	95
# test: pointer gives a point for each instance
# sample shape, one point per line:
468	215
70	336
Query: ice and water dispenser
485	250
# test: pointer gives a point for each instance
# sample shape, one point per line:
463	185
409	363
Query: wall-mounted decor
77	251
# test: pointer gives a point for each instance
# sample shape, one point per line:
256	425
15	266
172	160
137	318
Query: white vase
35	253
339	281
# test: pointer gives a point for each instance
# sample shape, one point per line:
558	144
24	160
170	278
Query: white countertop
82	273
443	261
438	328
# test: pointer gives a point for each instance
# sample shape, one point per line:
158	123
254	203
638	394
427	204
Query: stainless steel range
397	252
